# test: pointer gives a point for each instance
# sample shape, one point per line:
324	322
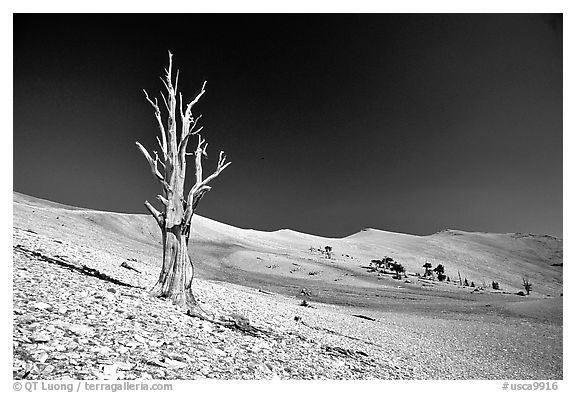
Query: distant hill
259	258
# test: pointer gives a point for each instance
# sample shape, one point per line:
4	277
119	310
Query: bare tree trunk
175	279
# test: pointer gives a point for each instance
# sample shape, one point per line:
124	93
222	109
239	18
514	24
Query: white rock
127	366
140	339
48	369
174	363
41	306
109	371
81	330
101	350
40	338
42	357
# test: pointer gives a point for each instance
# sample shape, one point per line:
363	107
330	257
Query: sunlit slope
479	257
221	251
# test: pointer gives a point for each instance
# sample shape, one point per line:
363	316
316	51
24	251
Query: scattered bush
495	285
527	285
472	284
381	264
427	269
520	293
466	282
398	269
441	276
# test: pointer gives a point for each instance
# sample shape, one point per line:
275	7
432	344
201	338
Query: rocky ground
78	313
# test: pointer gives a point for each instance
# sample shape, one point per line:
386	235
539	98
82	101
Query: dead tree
169	169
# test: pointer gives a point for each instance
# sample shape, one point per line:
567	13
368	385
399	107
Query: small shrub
427	269
398	269
441	276
466	282
472	284
527	285
439	268
495	285
520	293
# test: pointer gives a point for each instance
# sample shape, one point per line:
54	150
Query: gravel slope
71	325
74	318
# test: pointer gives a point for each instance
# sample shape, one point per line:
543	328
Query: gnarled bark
174	219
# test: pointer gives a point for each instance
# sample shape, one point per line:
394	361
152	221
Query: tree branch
153	163
164	99
162	199
158	160
157	215
160	124
198	162
187	116
171	106
222	164
201	186
192	202
184	143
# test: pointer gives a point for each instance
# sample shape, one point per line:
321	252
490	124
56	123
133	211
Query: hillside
259	275
228	253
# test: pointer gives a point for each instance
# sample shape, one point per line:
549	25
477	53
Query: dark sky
333	123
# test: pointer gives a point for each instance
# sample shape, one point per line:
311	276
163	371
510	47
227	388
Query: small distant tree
527	285
472	284
328	251
389	262
375	264
398	269
466	282
439	270
495	285
427	269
